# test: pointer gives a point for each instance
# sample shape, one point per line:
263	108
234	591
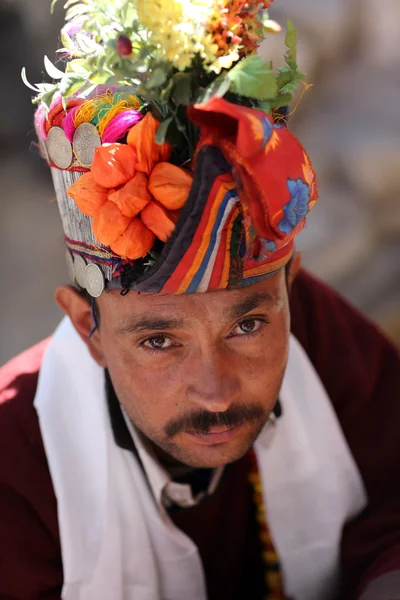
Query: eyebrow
250	303
145	323
152	324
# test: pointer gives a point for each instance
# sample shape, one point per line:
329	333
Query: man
173	440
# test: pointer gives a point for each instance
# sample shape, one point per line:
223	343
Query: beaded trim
273	574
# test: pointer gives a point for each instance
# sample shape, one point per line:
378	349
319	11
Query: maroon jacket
360	370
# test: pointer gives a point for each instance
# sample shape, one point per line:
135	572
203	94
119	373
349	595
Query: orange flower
109	223
128	181
170	185
136	241
133	196
158	220
113	165
87	194
142	138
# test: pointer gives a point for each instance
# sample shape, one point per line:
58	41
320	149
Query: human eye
158	343
248	326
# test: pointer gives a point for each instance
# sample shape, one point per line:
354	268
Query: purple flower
74	26
297	207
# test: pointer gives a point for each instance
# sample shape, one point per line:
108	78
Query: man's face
198	374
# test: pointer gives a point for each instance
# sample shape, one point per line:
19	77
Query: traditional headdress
166	135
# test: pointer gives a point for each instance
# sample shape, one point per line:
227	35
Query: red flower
123	45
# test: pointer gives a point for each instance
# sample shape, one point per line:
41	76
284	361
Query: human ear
293	269
78	309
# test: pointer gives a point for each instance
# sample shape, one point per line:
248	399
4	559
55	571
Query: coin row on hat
88	276
59	151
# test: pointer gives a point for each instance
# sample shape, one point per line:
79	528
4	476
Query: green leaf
85	43
97	78
115	80
218	88
71	83
68	42
47	97
282	100
87	91
70	3
45	87
77	66
166	93
292	65
146	51
101	65
76	11
253	78
284	77
162	129
156	79
52	70
26	82
289	88
182	89
291	41
266	106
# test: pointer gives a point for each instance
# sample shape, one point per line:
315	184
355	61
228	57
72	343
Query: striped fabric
252	189
206	264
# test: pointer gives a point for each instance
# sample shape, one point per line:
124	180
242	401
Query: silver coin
70	266
59	148
43	149
86	140
79	270
94	280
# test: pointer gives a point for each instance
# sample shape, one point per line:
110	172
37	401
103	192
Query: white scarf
116	545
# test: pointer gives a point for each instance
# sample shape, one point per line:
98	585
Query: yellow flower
223	62
208	49
177	29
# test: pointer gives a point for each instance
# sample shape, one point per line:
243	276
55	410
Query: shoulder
23	463
18	382
26	364
360	369
28	507
346	347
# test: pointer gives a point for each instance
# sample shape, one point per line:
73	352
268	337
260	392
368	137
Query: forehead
118	309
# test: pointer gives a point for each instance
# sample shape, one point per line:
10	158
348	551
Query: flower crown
174	53
155	96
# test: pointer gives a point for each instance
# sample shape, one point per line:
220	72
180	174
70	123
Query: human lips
216	435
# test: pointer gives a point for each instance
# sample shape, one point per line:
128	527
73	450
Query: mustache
201	421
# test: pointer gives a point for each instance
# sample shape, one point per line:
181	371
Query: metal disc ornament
59	148
70	266
79	270
86	140
43	149
94	280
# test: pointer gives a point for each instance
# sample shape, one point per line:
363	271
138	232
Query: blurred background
349	122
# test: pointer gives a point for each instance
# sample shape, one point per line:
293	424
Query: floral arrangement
132	192
121	113
173	53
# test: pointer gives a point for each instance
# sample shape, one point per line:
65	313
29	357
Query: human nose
215	382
